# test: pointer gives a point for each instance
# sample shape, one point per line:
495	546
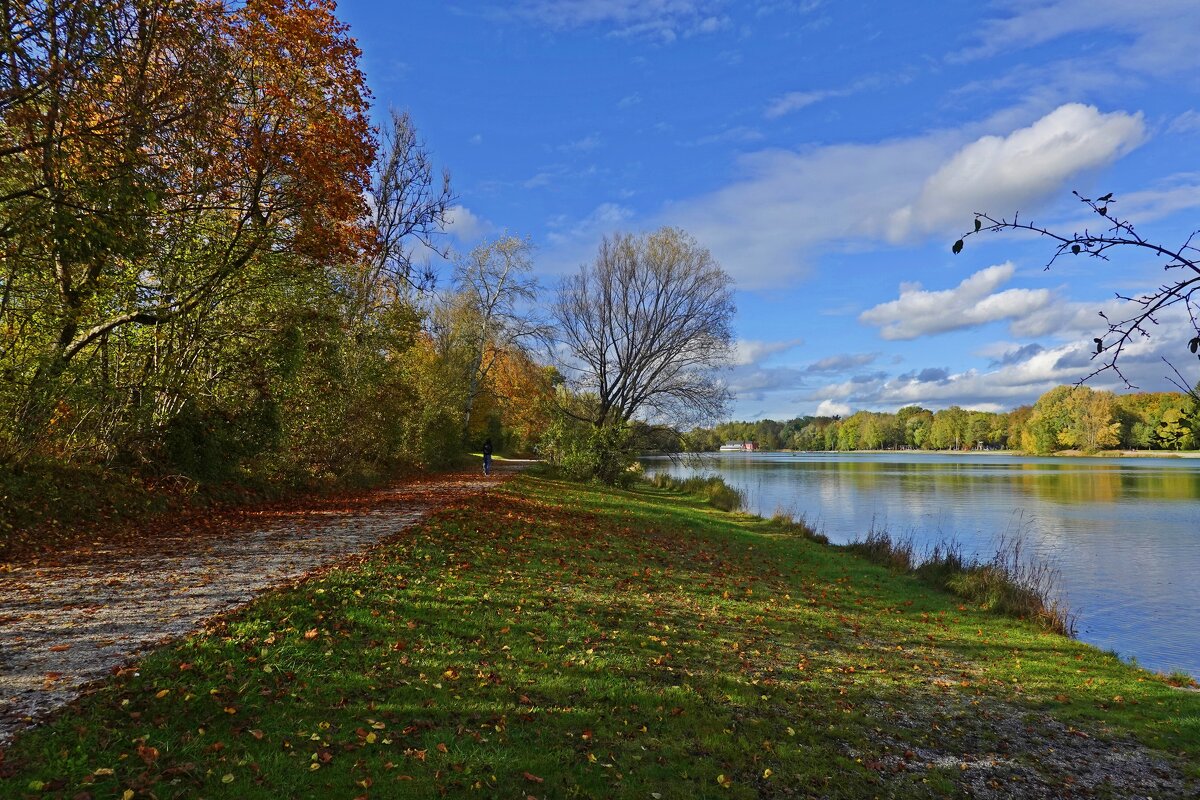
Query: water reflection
1125	533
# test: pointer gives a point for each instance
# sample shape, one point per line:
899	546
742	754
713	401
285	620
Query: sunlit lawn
552	640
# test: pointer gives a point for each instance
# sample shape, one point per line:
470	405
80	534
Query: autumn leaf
529	776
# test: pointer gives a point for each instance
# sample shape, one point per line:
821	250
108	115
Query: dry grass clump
712	488
787	521
1008	582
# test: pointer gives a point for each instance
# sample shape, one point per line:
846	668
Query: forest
217	271
1075	418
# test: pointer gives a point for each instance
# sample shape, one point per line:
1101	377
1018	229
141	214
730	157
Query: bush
582	451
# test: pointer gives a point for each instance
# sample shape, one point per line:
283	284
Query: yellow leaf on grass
127	794
162	693
724	781
227	777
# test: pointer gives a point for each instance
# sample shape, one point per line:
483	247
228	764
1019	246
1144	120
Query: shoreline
1171	454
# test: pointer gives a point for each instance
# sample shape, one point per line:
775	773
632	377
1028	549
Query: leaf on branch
957	248
1102	211
978	224
1075	249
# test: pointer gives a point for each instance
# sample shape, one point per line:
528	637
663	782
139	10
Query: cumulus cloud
1018	375
832	408
975	301
788	206
1028	165
465	225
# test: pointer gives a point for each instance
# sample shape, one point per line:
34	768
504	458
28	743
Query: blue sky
827	153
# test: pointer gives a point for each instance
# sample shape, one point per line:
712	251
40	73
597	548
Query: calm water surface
1123	532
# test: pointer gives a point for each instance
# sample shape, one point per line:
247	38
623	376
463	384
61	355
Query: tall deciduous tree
646	329
158	157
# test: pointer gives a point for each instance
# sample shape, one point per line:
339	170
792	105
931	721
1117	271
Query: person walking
487	456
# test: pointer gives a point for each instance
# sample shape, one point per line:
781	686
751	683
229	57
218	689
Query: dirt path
68	622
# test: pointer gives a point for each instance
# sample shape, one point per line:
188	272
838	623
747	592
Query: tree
159	160
646	328
495	287
1180	261
409	209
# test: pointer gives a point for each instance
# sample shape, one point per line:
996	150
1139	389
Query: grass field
550	640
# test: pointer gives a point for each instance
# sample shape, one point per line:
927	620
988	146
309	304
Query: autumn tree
162	160
492	311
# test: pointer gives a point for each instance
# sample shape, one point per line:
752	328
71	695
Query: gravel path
68	622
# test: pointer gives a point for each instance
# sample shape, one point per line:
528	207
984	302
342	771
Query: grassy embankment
552	640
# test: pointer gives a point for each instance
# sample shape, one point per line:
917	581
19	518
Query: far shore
1018	453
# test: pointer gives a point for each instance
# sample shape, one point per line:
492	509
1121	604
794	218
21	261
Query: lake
1123	532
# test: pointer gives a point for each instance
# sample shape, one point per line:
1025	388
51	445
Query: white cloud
752	351
630	100
665	20
1027	166
975	301
1187	122
465	225
842	362
1161	37
832	408
604	219
794	101
790	205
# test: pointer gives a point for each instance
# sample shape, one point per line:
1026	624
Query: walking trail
74	619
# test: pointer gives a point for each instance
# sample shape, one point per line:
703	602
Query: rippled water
1123	532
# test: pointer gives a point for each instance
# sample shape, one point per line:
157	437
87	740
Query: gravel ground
67	622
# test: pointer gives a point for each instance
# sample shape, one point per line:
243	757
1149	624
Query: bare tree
646	328
1181	264
409	209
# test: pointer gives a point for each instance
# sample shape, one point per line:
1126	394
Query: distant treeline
1064	418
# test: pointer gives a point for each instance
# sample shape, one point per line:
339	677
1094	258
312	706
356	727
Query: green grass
554	640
